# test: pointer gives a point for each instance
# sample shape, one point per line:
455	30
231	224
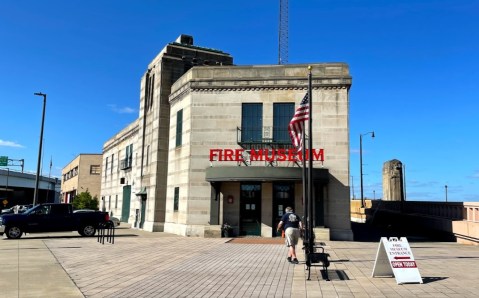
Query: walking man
291	223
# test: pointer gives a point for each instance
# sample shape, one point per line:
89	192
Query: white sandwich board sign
394	257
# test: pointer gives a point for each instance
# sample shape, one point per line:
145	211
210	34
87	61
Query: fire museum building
211	146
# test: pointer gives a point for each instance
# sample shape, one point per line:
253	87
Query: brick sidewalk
142	264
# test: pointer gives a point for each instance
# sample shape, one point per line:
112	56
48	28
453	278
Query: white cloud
10	144
123	110
475	175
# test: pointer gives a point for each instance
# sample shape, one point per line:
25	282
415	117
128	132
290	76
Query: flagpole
310	163
305	183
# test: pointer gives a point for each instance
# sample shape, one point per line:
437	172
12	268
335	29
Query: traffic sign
3	161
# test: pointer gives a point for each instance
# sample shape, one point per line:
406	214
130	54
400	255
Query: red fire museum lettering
264	155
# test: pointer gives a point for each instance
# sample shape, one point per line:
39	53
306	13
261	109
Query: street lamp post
35	195
445	187
361	162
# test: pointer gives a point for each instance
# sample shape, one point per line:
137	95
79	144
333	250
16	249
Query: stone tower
174	60
393	187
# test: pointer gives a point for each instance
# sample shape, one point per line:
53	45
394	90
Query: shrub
84	200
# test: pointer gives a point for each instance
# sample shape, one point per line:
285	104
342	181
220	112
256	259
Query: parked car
113	220
51	218
8	210
16	209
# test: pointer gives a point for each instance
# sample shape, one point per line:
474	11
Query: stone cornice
261	78
126	133
247	85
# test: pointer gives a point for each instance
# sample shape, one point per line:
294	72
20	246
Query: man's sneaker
295	261
289	259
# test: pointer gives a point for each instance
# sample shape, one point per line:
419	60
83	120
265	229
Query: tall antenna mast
283	32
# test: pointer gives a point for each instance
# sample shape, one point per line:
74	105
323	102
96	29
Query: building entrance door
125	206
143	211
283	196
250	209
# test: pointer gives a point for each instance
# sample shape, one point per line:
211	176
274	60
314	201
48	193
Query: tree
84	200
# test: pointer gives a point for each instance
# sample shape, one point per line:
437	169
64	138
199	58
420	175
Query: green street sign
3	161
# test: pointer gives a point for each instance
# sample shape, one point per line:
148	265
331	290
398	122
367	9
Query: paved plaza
144	264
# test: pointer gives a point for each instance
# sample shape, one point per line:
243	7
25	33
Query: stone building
211	146
118	174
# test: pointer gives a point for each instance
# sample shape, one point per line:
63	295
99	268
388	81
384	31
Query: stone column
393	181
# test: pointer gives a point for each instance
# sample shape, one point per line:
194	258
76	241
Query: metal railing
263	137
126	163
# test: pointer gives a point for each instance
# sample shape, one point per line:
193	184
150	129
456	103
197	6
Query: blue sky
414	65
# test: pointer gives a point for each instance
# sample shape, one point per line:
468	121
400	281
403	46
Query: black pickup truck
45	218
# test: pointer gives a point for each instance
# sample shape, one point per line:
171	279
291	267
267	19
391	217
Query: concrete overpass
456	221
17	188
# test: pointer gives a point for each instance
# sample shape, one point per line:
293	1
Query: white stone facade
119	179
176	188
211	99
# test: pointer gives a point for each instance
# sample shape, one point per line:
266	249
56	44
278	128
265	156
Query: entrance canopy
217	174
142	192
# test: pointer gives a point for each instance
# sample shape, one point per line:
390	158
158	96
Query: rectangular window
112	162
109	202
252	122
147	154
116	201
149	90
95	169
106	166
282	114
176	199
179	127
128	161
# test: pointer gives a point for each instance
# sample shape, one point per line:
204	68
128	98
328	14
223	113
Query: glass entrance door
250	209
283	196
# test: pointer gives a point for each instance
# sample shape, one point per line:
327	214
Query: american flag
296	125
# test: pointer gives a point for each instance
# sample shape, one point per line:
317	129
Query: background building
82	174
196	105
